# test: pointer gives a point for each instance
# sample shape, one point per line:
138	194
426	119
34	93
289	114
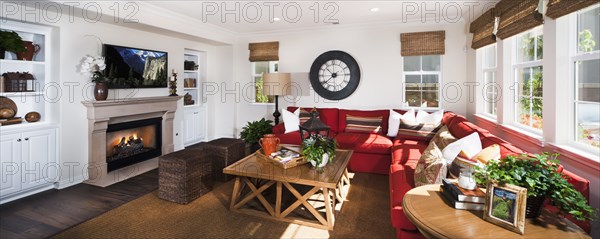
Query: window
422	80
489	80
586	78
529	78
258	68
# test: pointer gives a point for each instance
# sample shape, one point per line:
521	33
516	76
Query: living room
225	98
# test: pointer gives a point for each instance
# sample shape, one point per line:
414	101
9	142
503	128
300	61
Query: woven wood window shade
264	51
517	16
483	29
423	43
559	8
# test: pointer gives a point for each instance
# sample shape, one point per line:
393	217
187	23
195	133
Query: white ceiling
254	15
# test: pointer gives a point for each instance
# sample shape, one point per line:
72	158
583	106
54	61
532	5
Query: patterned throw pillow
443	138
416	131
464	161
305	115
431	168
363	124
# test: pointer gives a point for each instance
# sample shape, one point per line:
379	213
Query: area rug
364	214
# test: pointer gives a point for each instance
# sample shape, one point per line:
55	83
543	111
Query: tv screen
128	67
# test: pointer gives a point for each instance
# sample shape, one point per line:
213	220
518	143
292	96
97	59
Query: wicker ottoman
184	175
225	151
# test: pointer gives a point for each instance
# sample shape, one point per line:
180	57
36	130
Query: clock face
334	75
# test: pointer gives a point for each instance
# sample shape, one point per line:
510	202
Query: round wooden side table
427	210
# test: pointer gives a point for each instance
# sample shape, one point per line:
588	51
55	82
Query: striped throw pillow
417	131
305	115
363	124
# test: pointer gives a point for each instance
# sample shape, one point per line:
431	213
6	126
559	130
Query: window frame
421	73
516	66
489	69
273	67
574	57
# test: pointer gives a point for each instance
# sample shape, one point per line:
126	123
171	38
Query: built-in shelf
189	71
3	61
20	94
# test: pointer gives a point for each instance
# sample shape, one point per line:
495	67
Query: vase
534	206
101	91
269	143
30	50
324	161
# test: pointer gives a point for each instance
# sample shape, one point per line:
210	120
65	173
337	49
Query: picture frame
505	206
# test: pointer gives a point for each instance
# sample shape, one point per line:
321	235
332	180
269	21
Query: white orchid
92	67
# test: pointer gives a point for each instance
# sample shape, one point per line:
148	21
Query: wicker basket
184	175
225	151
285	165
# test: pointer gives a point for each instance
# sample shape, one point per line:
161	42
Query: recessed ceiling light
375	9
276	19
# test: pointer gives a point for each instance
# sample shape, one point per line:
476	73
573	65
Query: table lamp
277	84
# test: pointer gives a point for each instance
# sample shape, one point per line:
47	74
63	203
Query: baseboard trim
26	193
62	184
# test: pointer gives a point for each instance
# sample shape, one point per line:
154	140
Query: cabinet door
39	165
189	127
10	158
201	124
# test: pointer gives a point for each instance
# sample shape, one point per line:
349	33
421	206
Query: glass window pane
588	124
430	82
412	63
413	98
537	81
261	67
524	111
489	59
539	47
430	99
588	30
525	47
588	80
524	75
431	63
413	82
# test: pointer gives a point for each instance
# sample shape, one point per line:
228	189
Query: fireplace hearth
132	142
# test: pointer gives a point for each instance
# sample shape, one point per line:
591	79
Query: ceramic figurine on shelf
173	84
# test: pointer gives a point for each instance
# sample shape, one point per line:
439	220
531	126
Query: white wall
77	38
377	50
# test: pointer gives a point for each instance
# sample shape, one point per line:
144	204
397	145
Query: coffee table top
256	167
434	218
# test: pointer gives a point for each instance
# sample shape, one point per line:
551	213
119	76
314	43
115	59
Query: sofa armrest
398	188
279	129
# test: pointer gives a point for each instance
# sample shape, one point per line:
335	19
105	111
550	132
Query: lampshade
277	84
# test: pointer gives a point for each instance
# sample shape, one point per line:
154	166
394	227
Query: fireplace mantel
102	113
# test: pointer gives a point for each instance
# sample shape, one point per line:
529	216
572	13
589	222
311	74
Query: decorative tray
284	164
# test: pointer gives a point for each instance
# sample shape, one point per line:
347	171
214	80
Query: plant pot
101	91
324	161
30	50
534	206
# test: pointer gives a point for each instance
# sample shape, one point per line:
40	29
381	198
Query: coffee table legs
332	197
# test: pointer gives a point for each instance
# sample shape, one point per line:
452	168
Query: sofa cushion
405	149
443	138
290	138
417	131
363	113
329	116
290	120
448	116
431	167
506	148
364	143
363	124
394	121
461	127
304	115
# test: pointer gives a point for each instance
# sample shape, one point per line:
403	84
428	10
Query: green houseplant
319	150
540	176
255	130
10	41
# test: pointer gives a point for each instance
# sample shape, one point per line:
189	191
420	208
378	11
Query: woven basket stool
225	151
184	175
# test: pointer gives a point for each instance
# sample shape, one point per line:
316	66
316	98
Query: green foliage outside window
260	97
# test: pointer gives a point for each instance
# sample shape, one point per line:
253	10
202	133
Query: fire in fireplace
133	142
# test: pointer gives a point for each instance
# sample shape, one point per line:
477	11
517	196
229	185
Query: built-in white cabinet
28	161
195	125
194	75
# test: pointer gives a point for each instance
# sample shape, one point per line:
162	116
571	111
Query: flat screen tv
128	67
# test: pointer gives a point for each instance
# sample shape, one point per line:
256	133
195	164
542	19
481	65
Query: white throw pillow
291	121
471	144
434	118
394	121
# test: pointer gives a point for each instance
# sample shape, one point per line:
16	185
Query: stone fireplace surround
102	113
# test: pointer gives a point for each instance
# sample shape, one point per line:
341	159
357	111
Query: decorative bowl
32	117
7	113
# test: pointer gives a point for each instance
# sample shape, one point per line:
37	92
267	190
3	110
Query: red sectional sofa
398	157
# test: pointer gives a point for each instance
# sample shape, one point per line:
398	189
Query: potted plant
10	41
539	174
318	150
93	67
255	130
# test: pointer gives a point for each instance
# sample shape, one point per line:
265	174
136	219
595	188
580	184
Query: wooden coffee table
258	175
427	210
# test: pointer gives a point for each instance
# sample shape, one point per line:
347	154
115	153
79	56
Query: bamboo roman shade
423	43
264	51
483	29
559	8
517	16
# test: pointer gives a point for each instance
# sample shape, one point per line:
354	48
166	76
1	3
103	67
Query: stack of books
284	155
461	198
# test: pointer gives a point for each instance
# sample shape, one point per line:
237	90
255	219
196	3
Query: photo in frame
505	206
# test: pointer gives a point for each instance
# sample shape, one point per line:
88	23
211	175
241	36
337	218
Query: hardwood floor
50	212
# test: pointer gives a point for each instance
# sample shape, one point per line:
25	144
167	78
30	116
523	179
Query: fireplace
132	142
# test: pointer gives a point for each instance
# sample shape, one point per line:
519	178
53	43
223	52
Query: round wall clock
334	75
